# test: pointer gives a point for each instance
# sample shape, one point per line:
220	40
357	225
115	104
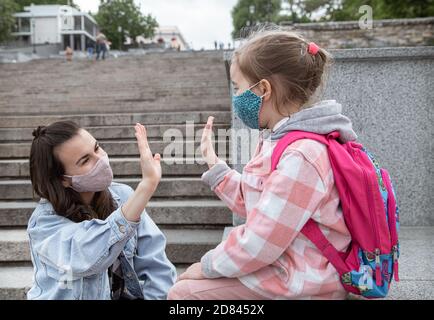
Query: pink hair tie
313	48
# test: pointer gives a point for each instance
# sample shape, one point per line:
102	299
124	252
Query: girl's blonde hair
282	58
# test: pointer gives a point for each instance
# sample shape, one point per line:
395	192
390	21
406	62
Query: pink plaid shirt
268	254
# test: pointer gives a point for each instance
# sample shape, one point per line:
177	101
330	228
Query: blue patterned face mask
247	107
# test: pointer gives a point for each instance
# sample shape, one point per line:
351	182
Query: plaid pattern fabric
268	253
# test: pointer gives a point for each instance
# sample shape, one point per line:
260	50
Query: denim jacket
71	259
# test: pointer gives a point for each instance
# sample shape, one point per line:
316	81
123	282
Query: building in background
55	24
166	37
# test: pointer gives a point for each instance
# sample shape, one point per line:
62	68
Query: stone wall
388	93
384	33
24	54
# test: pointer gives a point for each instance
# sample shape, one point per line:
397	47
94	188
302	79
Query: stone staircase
161	91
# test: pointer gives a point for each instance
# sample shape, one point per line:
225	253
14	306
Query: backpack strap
311	229
293	136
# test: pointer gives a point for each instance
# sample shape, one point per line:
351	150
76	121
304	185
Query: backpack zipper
395	262
377	250
392	223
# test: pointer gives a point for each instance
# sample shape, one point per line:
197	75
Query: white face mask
97	179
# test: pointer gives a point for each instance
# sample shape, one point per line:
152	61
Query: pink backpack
370	211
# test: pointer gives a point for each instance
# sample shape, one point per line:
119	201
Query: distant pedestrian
215	45
222	46
175	45
90	52
69	52
101	45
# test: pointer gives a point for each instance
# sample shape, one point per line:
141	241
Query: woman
90	238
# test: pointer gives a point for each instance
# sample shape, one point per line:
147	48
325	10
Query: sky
201	22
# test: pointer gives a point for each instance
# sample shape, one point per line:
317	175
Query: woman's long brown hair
46	172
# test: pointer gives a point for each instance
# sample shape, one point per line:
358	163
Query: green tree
121	18
247	13
7	20
381	9
299	11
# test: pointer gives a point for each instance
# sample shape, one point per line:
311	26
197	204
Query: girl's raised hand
150	165
206	145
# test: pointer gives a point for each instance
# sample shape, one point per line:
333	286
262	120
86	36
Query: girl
276	76
90	238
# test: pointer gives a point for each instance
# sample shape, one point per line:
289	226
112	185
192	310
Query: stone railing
384	33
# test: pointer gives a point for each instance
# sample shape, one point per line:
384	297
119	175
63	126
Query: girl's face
241	84
79	154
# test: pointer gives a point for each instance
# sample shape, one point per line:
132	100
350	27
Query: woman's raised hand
151	175
150	165
206	145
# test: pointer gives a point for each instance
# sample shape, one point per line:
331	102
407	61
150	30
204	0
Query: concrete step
173	187
15	281
164	85
168	57
125	91
93	119
139	66
200	212
116	106
54	71
123	147
118	132
144	73
183	245
122	167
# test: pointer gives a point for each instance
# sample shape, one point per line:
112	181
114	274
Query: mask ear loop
255	86
262	104
249	88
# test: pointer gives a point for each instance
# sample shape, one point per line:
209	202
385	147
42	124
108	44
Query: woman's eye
96	148
85	161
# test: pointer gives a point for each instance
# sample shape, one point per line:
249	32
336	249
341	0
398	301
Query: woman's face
79	154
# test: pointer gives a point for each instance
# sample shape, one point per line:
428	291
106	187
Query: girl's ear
265	86
66	182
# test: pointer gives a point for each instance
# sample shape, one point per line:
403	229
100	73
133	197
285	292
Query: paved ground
416	264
